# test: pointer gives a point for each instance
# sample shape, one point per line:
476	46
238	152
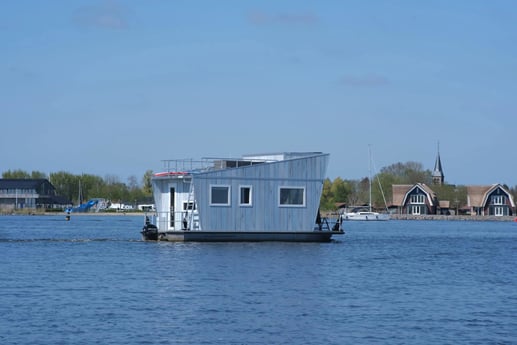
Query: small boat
364	215
264	197
149	231
366	212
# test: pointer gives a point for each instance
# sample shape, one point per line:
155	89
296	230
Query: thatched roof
477	196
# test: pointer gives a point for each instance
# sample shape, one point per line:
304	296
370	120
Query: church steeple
438	176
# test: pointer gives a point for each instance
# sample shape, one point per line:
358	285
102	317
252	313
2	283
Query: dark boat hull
242	236
149	232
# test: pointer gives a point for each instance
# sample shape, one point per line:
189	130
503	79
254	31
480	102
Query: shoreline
435	217
440	217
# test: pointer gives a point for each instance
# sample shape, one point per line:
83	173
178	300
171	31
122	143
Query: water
92	281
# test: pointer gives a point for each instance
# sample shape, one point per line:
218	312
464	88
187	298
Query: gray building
29	194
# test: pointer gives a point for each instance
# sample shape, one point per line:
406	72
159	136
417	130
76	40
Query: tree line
83	187
335	192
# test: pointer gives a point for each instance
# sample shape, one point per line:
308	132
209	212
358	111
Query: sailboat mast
370	177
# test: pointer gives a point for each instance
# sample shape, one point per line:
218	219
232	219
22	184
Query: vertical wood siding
265	180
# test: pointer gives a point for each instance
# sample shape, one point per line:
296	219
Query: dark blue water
92	281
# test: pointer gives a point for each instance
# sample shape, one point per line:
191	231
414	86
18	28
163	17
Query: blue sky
113	87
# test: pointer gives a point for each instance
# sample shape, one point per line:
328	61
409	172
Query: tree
38	175
16	174
66	184
147	184
340	190
409	173
382	184
456	195
326	195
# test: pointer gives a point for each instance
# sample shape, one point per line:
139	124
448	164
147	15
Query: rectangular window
498	200
220	195
292	196
415	210
245	196
417	198
498	211
189	206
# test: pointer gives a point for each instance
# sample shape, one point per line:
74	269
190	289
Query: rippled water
92	280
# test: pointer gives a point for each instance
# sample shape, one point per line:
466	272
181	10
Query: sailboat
366	212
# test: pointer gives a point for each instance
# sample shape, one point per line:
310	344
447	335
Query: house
29	193
417	199
493	200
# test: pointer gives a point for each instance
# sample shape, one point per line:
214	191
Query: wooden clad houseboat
266	197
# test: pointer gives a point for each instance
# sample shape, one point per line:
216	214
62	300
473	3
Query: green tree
326	196
38	175
382	184
147	186
340	190
66	184
456	195
16	174
409	173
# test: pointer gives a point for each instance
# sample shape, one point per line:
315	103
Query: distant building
438	176
29	194
417	199
493	200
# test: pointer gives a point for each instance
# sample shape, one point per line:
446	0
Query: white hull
366	216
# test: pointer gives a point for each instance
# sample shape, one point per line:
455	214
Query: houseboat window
245	196
189	206
220	195
417	198
291	196
498	200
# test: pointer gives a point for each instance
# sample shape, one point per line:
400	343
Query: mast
80	195
370	176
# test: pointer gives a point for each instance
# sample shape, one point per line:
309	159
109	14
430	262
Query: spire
438	176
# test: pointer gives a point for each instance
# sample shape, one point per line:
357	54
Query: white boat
365	215
365	212
266	197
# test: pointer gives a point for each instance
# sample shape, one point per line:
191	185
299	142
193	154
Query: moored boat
366	212
365	215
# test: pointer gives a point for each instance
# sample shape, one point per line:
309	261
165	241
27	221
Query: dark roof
438	171
21	183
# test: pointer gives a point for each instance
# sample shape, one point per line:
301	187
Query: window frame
418	199
250	196
498	200
228	189
302	188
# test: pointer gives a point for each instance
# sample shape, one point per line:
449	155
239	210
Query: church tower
438	176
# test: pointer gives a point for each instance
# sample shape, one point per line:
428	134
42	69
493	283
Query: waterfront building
493	200
29	194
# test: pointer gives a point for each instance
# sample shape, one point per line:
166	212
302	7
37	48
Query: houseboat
264	197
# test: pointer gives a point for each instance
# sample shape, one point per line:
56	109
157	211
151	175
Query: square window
220	195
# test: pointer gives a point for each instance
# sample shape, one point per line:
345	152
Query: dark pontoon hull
241	236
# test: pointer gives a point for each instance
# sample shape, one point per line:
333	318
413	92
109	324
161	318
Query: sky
112	88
